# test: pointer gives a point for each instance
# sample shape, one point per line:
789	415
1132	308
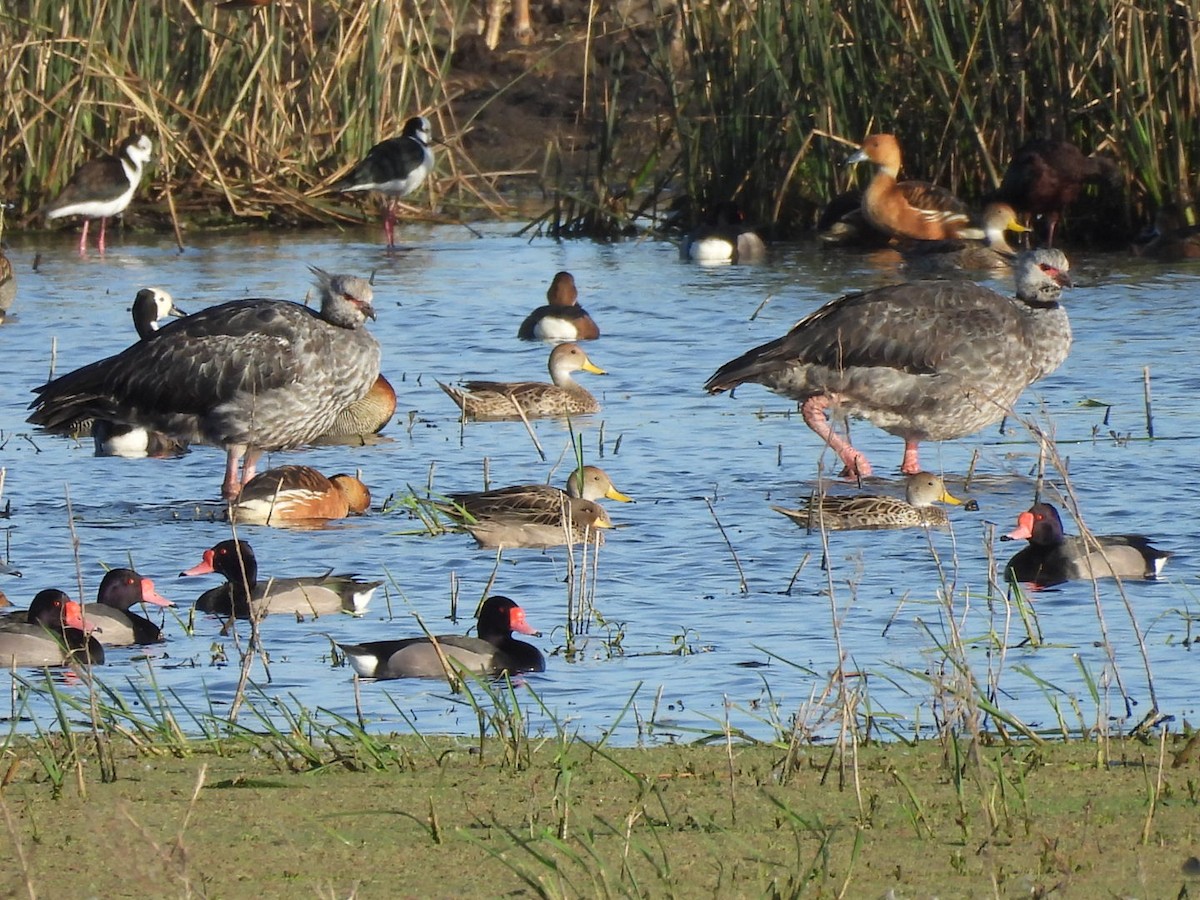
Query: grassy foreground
569	819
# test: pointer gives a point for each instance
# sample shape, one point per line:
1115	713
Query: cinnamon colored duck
298	495
364	417
244	594
1053	557
941	257
112	614
52	634
152	308
888	208
494	652
250	376
872	511
562	318
844	224
563	397
926	360
1045	177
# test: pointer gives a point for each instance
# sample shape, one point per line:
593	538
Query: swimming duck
531	515
493	653
1052	557
102	187
562	319
1045	177
298	495
890	209
843	224
867	511
395	168
52	635
308	595
874	355
365	416
498	399
724	237
1171	238
249	376
152	308
531	519
931	257
116	623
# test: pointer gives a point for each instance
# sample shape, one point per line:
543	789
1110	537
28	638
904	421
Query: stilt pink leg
910	466
389	224
83	239
813	410
103	223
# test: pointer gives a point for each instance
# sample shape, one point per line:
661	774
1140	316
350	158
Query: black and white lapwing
102	187
395	167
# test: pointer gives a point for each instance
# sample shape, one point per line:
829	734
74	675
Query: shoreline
560	816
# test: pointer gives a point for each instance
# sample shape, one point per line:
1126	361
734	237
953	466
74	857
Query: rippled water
449	306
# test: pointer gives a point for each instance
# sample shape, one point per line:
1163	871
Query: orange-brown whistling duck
890	209
298	494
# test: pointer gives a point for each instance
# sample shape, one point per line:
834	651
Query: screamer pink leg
250	463
813	410
248	458
231	487
910	466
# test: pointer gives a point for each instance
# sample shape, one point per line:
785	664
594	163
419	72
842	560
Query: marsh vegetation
607	115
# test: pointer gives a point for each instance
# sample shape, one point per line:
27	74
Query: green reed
770	90
253	111
250	110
